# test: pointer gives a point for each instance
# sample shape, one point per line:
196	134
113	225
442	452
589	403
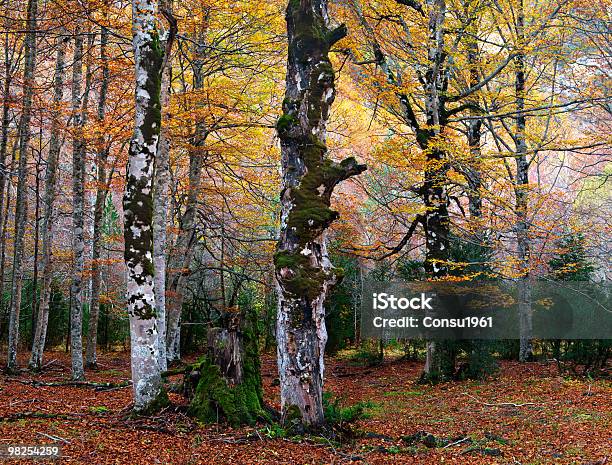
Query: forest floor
527	414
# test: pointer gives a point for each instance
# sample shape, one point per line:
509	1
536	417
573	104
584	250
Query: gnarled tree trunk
440	357
149	394
304	273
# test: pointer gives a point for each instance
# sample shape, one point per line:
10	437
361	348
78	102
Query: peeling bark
304	273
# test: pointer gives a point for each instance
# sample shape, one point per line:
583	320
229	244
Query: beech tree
21	209
304	273
138	209
78	196
101	195
40	335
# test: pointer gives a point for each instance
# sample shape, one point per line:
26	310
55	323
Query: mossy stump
225	384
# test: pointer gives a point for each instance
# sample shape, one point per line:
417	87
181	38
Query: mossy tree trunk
138	210
225	385
304	272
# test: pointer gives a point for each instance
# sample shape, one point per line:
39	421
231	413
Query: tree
101	195
304	272
161	199
38	345
78	196
21	209
149	394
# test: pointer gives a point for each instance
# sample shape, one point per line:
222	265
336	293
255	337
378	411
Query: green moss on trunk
215	400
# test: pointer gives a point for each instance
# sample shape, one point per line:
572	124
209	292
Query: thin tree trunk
78	200
4	238
6	100
184	248
38	345
91	359
161	199
149	394
21	210
304	273
183	251
522	198
34	296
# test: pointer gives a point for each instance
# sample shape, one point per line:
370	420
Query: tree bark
149	394
304	273
161	199
42	320
521	190
91	356
21	210
6	101
440	357
78	202
183	251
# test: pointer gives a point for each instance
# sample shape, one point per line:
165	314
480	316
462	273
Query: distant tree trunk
161	198
38	343
521	190
4	238
21	210
42	320
6	101
34	296
78	204
91	356
184	248
149	394
304	273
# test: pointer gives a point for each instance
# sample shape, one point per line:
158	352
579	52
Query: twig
55	438
501	404
456	442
